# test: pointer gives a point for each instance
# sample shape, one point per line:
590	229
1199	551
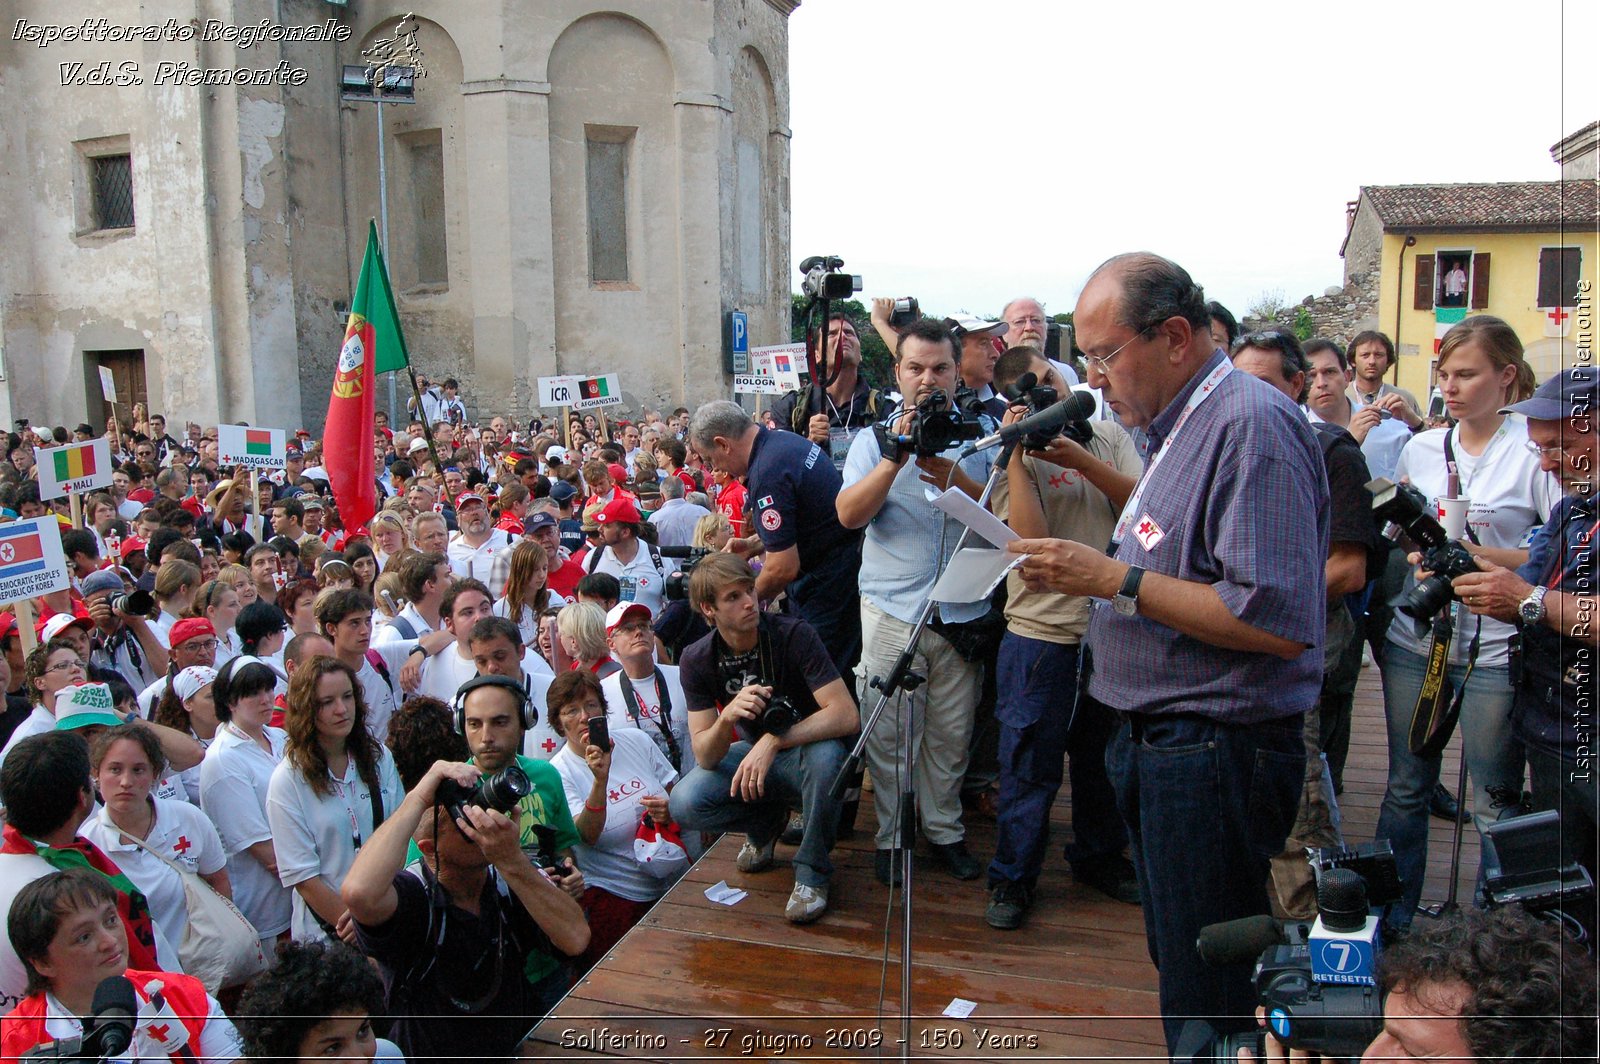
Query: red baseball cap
470	496
617	471
620	510
8	624
130	545
189	628
620	613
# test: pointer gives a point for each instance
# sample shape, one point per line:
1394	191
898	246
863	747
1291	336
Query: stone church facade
578	188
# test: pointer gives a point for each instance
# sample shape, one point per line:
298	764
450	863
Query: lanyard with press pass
1147	532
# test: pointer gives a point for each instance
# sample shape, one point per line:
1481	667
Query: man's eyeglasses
1101	362
204	646
1553	450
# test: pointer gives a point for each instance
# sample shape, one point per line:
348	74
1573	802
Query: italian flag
75	462
594	388
1443	319
373	344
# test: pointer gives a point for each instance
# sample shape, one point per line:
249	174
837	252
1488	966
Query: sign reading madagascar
373	344
252	448
77	467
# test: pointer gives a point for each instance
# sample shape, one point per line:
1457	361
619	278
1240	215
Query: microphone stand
902	678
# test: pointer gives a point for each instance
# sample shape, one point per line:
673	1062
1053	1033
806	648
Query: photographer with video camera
1551	600
452	947
767	712
887	478
1470	986
830	417
1481	470
808	555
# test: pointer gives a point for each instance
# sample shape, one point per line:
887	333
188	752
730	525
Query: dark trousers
826	597
1207	805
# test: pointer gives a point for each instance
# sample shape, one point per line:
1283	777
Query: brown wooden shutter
1423	297
1480	281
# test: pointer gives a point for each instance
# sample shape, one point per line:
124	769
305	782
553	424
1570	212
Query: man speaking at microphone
1206	636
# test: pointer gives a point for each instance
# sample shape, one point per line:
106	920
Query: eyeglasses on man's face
1099	362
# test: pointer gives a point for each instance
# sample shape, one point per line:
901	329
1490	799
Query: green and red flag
373	344
593	388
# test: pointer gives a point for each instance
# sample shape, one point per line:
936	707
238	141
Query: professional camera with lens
778	717
677	585
822	281
500	791
1444	558
934	429
134	604
1038	397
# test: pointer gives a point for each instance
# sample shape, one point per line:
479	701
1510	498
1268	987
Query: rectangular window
112	177
1558	276
427	207
1453	275
607	184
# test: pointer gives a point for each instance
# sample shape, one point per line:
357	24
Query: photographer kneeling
767	710
452	945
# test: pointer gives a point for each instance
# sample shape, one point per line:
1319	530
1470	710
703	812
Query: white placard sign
31	563
783	362
558	391
76	467
754	384
602	390
108	384
252	448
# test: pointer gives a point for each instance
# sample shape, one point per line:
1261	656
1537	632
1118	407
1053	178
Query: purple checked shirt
1241	503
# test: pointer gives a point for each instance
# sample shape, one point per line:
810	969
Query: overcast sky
967	152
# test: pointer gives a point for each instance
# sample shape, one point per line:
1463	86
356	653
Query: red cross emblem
1148	533
548	745
612	796
159	1031
1146	527
182	845
1557	316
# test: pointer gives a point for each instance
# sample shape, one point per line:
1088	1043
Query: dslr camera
777	718
934	429
677	586
134	603
500	791
1444	558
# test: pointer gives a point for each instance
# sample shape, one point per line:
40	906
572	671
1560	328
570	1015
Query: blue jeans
1207	805
1037	683
1494	759
799	779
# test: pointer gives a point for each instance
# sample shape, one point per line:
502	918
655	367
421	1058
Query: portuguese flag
373	344
594	388
75	462
258	441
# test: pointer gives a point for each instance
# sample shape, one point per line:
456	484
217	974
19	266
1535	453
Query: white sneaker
806	904
753	858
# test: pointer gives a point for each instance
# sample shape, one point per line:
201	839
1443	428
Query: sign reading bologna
75	467
251	448
598	391
31	563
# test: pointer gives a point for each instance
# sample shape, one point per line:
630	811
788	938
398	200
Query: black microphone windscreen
1239	941
1342	900
111	1015
1021	386
1082	406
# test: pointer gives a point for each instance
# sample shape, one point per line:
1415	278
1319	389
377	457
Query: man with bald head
1206	636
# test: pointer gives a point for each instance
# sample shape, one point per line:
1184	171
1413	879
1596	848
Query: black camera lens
503	790
1427	598
135	602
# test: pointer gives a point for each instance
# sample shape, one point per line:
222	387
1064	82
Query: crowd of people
474	740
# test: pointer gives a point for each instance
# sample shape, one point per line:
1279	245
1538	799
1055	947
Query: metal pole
383	225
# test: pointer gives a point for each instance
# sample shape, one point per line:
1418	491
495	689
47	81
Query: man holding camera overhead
1210	648
887	492
452	948
767	711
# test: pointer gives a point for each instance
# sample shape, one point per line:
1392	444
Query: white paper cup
1453	516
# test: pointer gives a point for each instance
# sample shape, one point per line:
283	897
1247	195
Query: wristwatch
1531	609
1126	601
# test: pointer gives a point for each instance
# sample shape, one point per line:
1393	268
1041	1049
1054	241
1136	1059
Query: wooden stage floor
701	980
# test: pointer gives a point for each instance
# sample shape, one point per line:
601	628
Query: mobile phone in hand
600	733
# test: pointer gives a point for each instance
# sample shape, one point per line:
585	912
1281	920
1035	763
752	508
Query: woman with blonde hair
238	577
388	532
582	630
218	602
528	590
711	532
176	582
1483	458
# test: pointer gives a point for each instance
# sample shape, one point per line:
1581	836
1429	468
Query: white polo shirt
182	834
476	563
233	793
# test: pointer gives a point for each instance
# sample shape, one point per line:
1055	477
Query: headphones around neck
506	683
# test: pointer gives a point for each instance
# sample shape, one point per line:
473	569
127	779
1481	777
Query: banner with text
31	563
783	362
558	391
594	392
238	445
76	467
756	384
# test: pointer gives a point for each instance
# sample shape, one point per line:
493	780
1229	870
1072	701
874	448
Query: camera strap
1433	719
636	709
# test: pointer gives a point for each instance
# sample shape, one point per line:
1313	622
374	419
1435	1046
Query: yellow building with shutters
1517	250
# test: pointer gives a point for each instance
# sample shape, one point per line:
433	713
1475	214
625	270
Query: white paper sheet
961	506
973	573
960	1008
723	894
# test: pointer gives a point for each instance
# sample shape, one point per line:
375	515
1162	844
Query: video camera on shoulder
1314	981
1444	558
822	282
1037	397
935	428
677	585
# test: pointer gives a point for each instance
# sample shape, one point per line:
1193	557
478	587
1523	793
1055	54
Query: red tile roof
1507	205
